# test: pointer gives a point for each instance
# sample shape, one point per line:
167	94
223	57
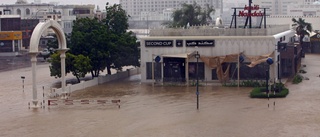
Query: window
28	11
193	70
157	70
19	11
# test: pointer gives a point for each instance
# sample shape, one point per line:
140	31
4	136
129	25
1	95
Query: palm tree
302	28
192	14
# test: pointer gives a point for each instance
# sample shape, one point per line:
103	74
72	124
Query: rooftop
212	31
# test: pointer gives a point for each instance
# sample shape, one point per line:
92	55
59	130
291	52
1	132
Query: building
10	35
26	10
276	7
137	8
168	55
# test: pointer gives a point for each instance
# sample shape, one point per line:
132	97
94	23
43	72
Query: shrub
259	92
248	83
297	79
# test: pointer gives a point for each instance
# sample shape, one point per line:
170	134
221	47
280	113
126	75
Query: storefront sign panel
159	43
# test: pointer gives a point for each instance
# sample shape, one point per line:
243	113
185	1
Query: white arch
33	51
43	26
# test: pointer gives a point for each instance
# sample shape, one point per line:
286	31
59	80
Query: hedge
259	92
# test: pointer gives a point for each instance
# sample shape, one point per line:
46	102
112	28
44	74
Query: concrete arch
43	26
34	50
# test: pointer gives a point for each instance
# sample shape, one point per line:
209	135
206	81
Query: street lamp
197	55
22	77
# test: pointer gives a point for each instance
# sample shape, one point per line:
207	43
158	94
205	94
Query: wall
281	20
96	81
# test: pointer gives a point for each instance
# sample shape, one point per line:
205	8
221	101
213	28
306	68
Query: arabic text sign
200	43
15	35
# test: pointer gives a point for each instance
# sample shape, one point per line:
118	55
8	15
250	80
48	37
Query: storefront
172	58
10	42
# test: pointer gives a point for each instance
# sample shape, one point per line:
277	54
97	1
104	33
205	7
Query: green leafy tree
55	66
78	65
90	38
302	28
192	14
107	43
123	50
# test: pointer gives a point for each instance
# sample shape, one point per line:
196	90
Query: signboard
254	8
200	43
159	43
15	35
179	43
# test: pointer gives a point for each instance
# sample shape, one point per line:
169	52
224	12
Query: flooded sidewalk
170	111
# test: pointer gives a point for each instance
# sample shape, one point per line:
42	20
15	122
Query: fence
96	81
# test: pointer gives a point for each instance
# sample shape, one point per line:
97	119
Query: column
34	79
13	50
63	72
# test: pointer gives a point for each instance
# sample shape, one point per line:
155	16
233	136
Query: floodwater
161	111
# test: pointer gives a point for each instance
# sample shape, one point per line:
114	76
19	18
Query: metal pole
23	85
197	56
250	23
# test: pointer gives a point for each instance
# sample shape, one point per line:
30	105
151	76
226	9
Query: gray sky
101	3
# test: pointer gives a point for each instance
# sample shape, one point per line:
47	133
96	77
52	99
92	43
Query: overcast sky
101	3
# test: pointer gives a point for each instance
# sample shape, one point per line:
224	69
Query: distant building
276	7
31	13
137	8
10	35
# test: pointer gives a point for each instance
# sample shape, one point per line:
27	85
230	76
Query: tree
78	65
192	14
107	43
123	49
302	27
90	38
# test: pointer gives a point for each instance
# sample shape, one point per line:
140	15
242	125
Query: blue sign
197	93
241	59
157	59
269	61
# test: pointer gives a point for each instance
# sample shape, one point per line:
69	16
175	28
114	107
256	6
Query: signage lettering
253	14
200	43
155	43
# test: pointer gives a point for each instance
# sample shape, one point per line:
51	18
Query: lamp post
22	77
197	55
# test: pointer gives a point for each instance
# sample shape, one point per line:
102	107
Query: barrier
54	102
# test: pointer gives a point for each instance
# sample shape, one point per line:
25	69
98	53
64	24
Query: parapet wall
209	31
96	81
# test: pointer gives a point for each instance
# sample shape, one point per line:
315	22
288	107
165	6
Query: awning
181	55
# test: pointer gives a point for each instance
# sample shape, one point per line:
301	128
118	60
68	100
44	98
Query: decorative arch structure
34	44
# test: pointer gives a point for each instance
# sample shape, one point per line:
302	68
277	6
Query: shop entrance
174	70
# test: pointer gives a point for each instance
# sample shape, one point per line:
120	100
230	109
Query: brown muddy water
164	111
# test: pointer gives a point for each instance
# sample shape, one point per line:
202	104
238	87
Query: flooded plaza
160	111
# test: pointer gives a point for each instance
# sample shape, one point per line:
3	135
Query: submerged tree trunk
92	74
78	78
108	69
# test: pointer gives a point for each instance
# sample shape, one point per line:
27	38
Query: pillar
34	80
13	49
63	72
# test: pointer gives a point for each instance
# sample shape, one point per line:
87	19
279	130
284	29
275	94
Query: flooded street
160	111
